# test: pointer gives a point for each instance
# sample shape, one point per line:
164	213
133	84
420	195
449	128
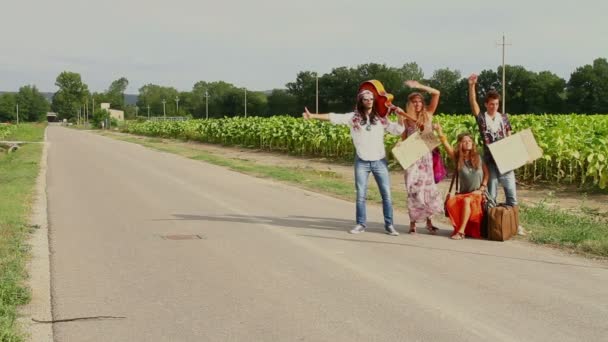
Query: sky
263	44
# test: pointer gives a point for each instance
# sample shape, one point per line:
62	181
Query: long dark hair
360	112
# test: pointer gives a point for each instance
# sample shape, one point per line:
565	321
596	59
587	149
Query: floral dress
423	197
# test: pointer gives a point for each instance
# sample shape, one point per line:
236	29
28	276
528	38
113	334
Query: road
270	262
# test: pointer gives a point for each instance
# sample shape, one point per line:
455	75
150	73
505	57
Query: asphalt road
272	262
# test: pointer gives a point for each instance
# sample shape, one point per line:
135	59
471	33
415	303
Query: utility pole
317	94
17	113
206	104
176	106
504	83
148	112
136	111
164	112
245	102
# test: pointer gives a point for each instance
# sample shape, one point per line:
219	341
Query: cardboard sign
408	151
515	151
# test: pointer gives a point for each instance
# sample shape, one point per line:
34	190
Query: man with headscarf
367	130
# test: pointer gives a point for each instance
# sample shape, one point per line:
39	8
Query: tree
304	88
116	93
71	95
33	106
488	80
546	94
153	95
99	98
225	99
257	103
410	71
587	89
131	112
198	100
99	116
459	103
446	81
281	102
338	89
7	107
519	89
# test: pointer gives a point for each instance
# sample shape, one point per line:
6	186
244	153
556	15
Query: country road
188	251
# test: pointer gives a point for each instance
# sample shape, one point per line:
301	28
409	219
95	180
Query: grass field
18	173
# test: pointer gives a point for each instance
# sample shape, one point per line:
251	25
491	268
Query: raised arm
308	115
434	94
444	141
473	95
401	114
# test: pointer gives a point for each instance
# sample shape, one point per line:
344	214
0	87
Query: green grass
586	233
27	132
18	173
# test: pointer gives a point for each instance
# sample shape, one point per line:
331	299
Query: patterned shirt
490	135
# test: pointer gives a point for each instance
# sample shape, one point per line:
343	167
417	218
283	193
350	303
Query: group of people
478	175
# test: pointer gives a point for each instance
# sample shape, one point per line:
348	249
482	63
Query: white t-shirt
368	144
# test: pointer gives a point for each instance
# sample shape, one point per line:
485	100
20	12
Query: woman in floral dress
424	199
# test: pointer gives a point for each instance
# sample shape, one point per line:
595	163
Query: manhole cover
183	237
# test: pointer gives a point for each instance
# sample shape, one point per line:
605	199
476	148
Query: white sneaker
358	229
390	230
521	231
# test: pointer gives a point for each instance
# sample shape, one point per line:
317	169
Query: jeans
379	168
507	180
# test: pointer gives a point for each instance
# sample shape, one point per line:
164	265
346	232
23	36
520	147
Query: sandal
457	236
412	230
432	230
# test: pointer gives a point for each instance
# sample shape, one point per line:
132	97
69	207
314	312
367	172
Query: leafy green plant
575	146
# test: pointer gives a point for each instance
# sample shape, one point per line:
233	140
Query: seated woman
465	209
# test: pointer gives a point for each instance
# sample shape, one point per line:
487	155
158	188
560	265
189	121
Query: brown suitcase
502	222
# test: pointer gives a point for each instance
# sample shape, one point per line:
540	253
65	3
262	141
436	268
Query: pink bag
439	170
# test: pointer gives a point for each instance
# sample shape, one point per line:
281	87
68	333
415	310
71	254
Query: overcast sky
263	44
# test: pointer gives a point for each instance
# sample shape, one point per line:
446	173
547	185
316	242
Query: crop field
575	146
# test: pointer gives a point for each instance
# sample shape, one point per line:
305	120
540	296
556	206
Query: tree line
527	92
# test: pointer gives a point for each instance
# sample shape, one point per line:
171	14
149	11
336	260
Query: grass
18	173
27	132
586	233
